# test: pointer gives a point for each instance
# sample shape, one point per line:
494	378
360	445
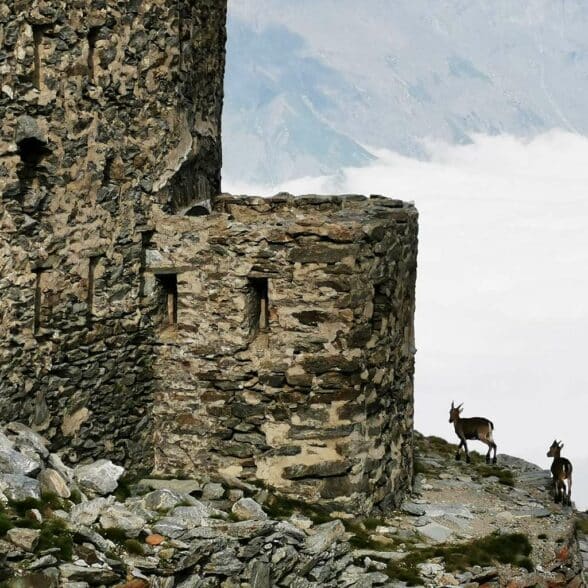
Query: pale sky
502	287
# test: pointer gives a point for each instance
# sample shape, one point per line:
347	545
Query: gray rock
100	477
43	562
224	562
170	527
213	491
435	532
440	510
164	499
413	509
14	462
18	488
55	462
24	538
87	512
181	486
27	128
322	469
117	516
91	536
192	515
382	555
247	509
324	536
92	575
260	575
52	482
248	529
26	437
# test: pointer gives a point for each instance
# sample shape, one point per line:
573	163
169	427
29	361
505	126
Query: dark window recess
197	211
92	38
169	287
32	151
261	303
38	301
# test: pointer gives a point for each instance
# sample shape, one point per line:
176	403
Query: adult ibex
561	470
478	428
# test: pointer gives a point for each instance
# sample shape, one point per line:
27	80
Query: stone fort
147	317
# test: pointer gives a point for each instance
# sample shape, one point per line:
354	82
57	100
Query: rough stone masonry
148	318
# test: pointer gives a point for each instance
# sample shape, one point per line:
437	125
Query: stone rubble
153	536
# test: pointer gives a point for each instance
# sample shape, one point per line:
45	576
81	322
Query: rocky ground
465	525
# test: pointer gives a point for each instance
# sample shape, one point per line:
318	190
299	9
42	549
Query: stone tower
110	110
146	317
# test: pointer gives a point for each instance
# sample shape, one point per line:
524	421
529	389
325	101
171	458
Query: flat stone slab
435	532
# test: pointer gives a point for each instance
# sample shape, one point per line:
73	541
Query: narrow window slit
38	301
260	289
92	38
169	286
92	263
37	42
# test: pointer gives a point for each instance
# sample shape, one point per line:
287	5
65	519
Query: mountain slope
309	83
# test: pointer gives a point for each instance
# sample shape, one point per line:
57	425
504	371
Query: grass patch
280	507
513	548
134	546
54	533
582	524
504	476
76	495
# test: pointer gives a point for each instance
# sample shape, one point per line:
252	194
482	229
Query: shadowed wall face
111	111
291	357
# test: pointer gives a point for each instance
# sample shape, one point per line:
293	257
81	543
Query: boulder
17	487
52	482
100	477
325	535
24	538
247	509
117	516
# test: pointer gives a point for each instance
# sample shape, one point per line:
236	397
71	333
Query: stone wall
110	110
286	344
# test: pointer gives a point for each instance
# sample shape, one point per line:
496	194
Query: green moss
361	538
114	534
124	489
54	533
280	507
22	506
511	548
5	524
134	546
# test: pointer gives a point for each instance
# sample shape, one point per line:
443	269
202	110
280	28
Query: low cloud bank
502	291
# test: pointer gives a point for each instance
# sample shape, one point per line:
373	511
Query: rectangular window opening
260	287
37	42
169	287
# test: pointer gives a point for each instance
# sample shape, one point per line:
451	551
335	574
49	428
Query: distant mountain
311	83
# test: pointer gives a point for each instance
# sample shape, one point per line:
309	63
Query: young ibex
477	428
561	470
